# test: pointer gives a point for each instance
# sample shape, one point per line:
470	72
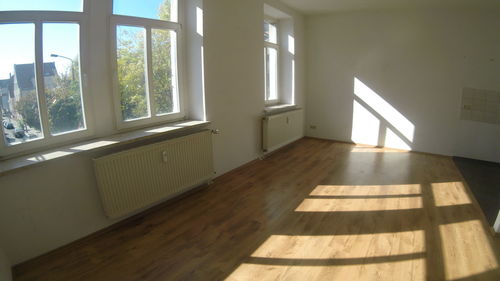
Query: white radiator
139	177
281	129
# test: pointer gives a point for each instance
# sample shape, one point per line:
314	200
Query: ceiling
327	6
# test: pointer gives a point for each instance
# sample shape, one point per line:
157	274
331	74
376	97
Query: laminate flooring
315	210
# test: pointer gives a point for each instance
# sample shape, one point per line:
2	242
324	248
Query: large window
271	62
145	47
42	96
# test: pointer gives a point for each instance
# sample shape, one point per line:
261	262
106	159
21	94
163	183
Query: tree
131	69
64	102
162	71
27	107
131	78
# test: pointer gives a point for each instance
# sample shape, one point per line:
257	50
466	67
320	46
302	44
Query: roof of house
4	83
7	84
25	74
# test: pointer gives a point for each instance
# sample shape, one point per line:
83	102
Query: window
271	62
145	48
42	94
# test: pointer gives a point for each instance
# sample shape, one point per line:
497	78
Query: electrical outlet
312	127
467	107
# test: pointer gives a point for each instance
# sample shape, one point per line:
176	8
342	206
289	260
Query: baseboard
375	146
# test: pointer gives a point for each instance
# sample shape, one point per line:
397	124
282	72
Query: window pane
42	5
270	34
61	75
271	73
131	72
164	71
19	102
152	9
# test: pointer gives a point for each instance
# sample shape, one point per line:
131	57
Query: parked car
19	133
9	139
31	135
8	125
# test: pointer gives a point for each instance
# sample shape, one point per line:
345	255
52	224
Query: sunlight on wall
204	105
371	112
199	21
394	141
291	44
365	126
387	111
293	82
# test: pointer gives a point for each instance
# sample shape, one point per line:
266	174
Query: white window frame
149	24
275	46
38	18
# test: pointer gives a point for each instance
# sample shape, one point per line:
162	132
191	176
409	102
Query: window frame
276	47
148	24
38	18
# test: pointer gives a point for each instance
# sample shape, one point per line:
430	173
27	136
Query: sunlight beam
455	250
365	126
450	194
360	190
386	110
359	204
394	141
199	21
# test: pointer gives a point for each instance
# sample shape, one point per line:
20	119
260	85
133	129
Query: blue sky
61	39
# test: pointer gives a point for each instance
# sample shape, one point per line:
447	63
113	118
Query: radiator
137	178
281	129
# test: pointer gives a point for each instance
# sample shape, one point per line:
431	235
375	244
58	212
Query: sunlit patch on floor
359	204
461	240
400	256
362	190
450	193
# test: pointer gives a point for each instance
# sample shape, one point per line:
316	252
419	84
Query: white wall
57	202
417	61
234	78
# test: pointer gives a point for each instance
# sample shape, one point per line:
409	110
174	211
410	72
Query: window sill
16	163
279	108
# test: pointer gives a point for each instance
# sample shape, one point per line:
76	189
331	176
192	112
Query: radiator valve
215	132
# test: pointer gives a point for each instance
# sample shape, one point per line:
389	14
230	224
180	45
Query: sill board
279	108
16	163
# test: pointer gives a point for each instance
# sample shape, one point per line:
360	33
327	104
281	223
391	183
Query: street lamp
59	56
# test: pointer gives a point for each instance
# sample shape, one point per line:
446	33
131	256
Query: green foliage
27	107
132	73
162	71
64	103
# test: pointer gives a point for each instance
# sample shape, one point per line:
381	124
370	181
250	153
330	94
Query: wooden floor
317	210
